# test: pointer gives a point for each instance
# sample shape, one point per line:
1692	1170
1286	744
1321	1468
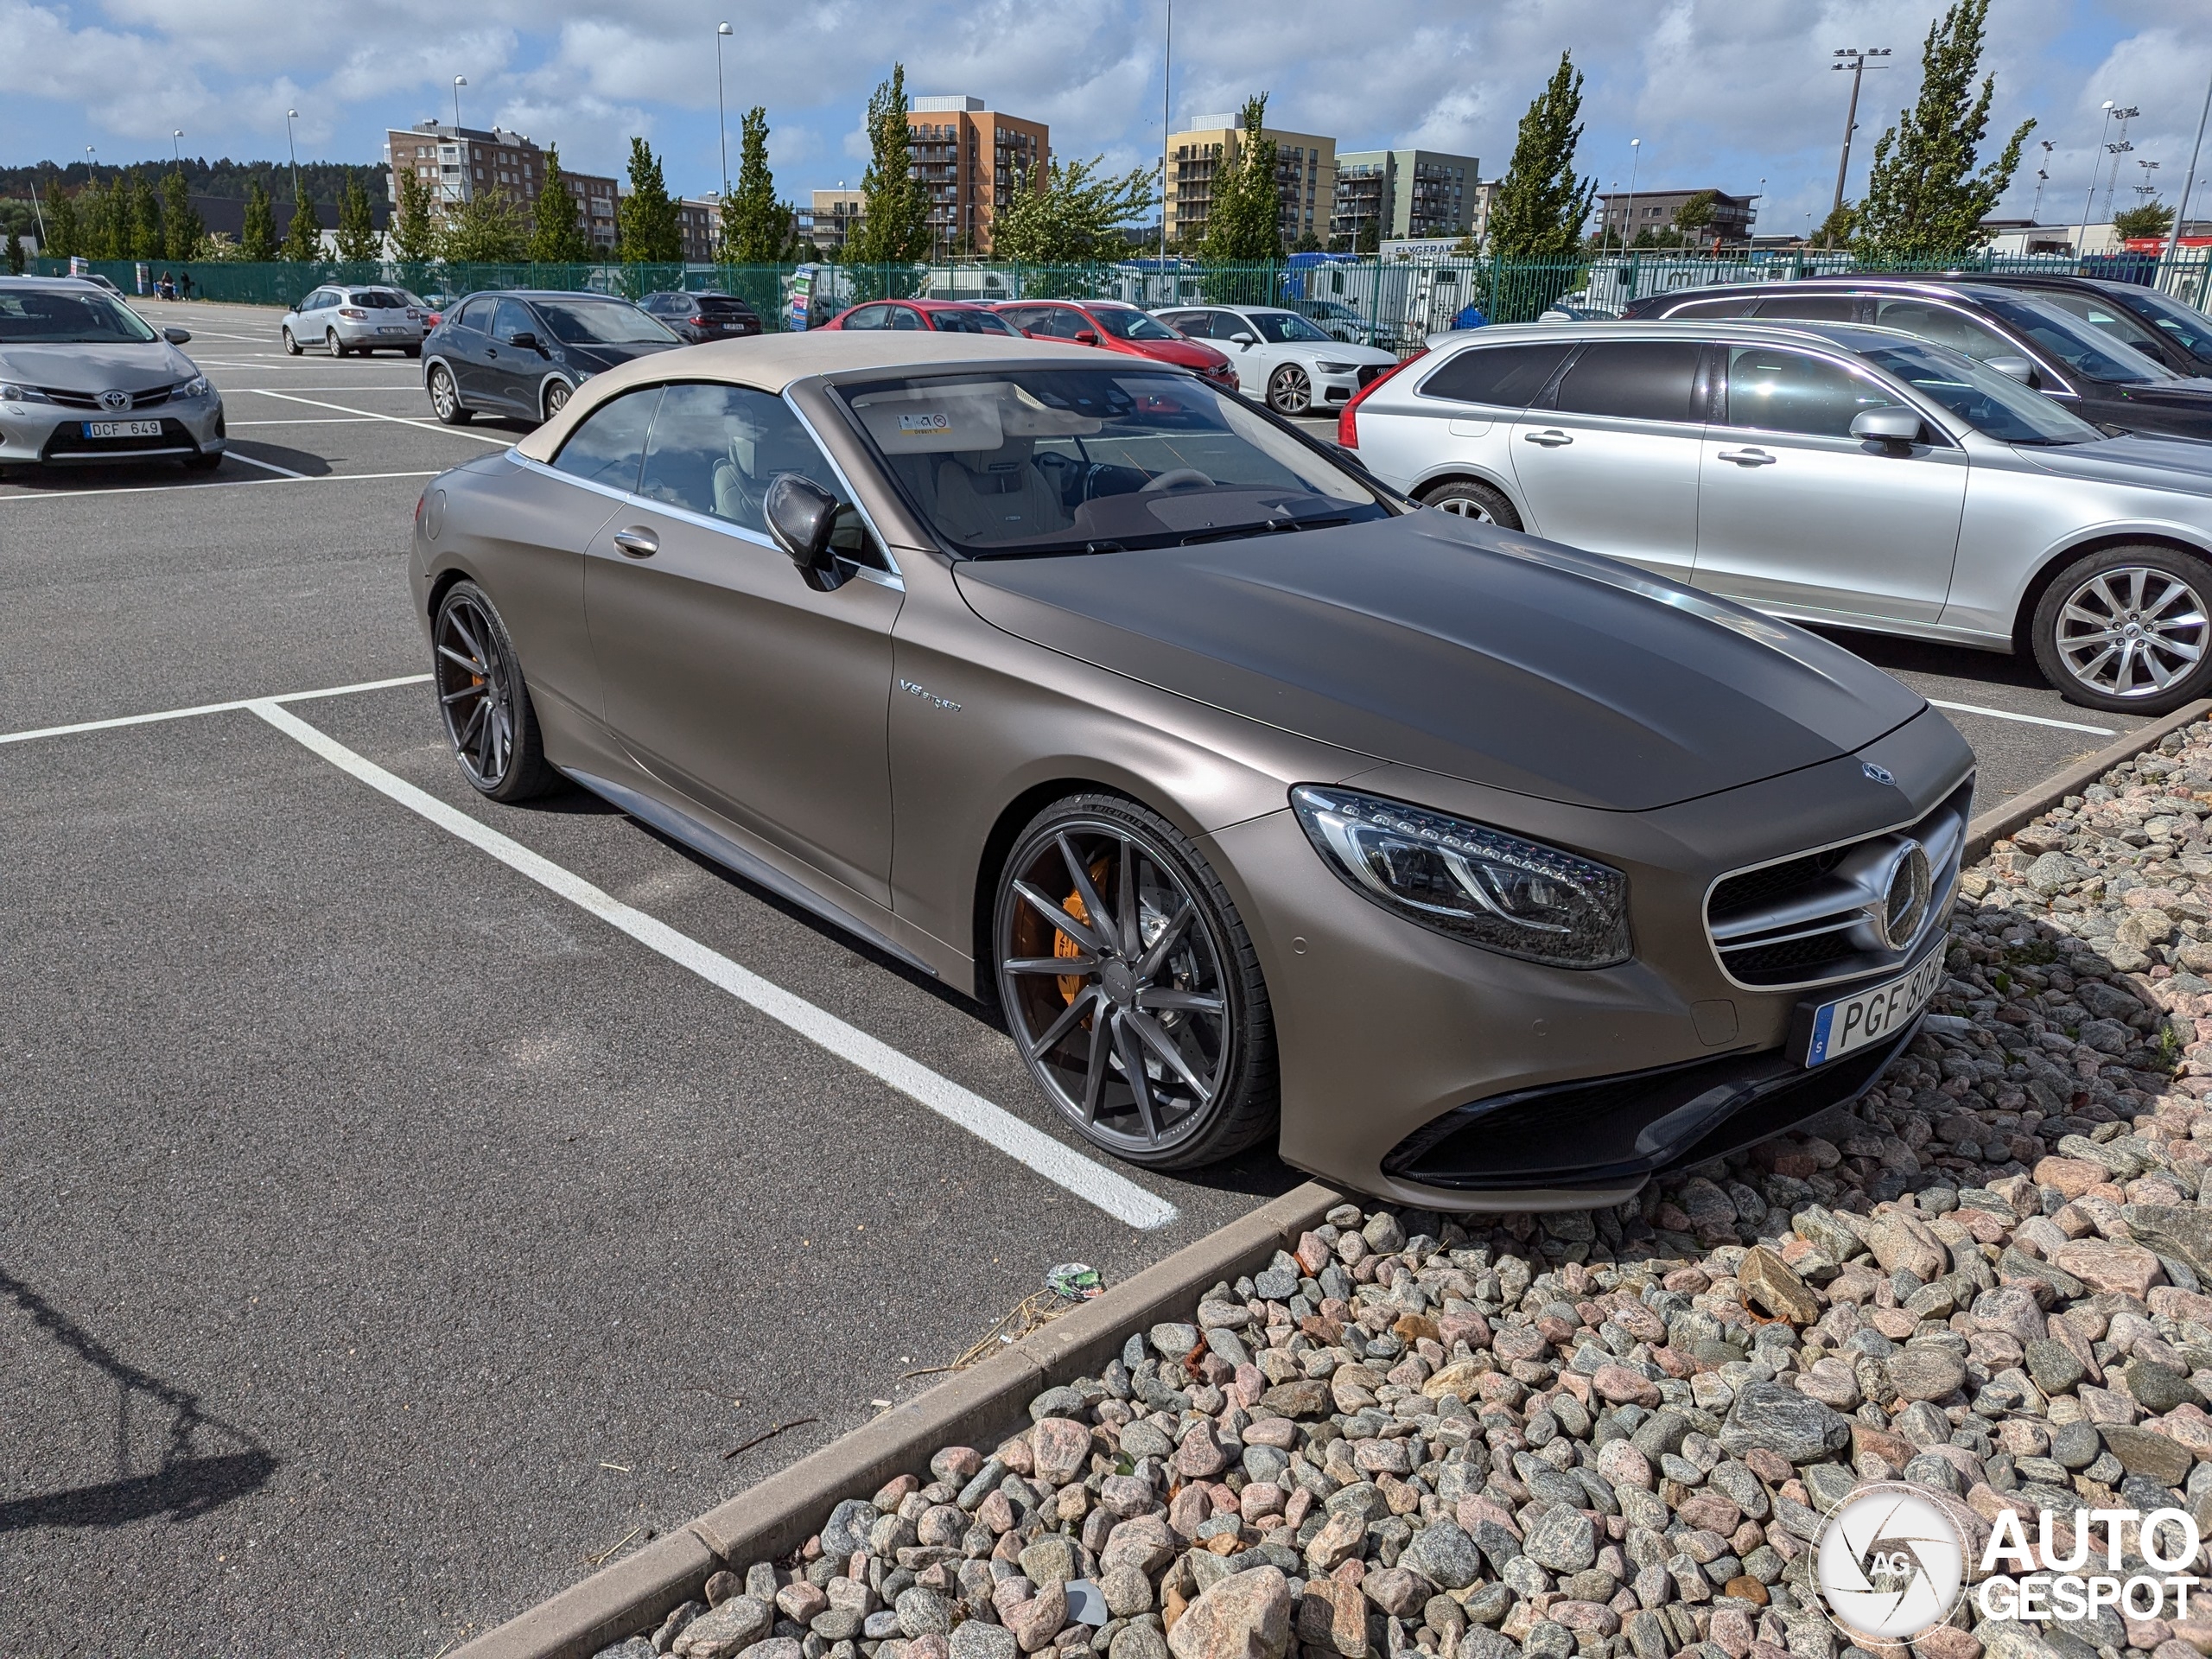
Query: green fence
1391	302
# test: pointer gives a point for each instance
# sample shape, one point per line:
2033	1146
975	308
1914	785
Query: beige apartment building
1306	176
972	160
838	215
462	163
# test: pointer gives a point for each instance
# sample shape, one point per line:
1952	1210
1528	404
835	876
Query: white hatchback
1281	356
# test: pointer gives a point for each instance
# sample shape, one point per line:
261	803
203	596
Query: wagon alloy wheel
1463	497
291	345
332	343
1129	986
486	708
1289	390
2131	632
1465	507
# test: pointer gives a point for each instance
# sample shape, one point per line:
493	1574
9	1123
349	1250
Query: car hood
1346	351
124	366
2140	459
1184	353
1434	641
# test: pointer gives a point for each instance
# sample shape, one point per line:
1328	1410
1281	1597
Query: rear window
376	298
1506	375
1631	380
722	305
1739	307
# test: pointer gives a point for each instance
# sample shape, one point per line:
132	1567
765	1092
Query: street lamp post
2089	203
1635	155
176	147
721	112
2189	183
2117	148
299	204
1167	82
2042	177
459	81
1858	62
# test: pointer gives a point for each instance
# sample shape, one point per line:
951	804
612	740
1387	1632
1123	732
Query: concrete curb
981	1406
2004	818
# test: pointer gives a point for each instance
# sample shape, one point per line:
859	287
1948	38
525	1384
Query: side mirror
525	341
1890	425
1086	337
802	516
177	336
1242	340
2018	368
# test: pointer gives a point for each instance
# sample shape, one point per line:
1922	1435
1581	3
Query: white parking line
2024	720
195	489
207	708
273	392
311	420
266	466
1090	1181
396	420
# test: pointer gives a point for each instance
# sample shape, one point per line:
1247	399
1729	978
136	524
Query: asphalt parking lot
410	1201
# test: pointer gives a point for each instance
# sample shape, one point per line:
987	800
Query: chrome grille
69	399
1823	916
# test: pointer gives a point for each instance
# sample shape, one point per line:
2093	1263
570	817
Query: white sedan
1281	356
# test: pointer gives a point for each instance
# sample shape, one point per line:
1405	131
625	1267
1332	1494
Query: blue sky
1722	93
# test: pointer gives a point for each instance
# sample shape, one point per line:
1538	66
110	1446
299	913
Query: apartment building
972	160
1625	217
838	215
462	163
700	220
1403	193
1306	176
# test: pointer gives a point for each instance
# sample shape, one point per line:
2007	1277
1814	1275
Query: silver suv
345	319
1835	473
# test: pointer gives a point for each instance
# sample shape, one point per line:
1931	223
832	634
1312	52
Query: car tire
1184	999
410	351
554	399
291	345
1470	500
445	398
1290	390
2128	629
489	721
332	343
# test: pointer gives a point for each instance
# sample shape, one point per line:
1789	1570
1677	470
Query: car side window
1945	327
1788	391
476	315
1060	322
608	445
1507	375
2100	312
1738	307
715	449
1199	325
869	316
513	318
1810	308
905	316
1631	380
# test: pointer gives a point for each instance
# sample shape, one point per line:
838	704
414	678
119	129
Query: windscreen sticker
936	420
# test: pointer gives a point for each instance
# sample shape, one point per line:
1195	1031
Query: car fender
545	386
2002	613
1450	470
431	360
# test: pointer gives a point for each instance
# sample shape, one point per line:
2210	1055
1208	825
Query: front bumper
53	434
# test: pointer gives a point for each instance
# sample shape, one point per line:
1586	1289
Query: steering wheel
1181	478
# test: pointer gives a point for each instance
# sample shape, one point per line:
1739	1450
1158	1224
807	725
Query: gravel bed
1616	1431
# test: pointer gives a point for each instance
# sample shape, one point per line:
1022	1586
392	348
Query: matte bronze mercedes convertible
1474	870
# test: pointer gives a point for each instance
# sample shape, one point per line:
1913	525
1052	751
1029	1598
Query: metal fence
1388	303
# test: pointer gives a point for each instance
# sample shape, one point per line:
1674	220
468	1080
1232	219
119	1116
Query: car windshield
1126	322
970	322
2188	327
601	322
1035	461
377	299
1282	328
79	317
2084	349
1990	403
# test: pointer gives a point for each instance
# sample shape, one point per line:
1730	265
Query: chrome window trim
2063	387
1939	906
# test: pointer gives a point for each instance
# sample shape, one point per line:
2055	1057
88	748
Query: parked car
344	319
2157	325
84	379
524	354
1835	473
921	316
1340	322
2096	376
99	282
1113	325
1279	356
1469	869
700	317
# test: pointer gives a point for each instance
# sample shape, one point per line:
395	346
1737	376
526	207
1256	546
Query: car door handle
1551	440
637	543
1746	457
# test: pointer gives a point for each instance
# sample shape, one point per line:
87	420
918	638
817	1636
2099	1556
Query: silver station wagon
1841	475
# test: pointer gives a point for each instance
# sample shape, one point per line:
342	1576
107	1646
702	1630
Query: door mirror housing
177	336
2017	367
1890	425
1243	340
525	341
1086	337
802	516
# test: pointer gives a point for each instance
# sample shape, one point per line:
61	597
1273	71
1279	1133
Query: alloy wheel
1112	976
1466	507
473	692
557	398
291	345
1290	392
442	399
2132	631
331	343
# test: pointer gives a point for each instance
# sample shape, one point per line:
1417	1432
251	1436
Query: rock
1051	1560
736	1625
1397	1591
849	1527
2157	1389
1331	1615
1136	1641
2181	1232
1301	1399
1172	1340
1127	1591
2142	1451
802	1602
1036	1621
777	1647
974	1639
1563	1540
1774	1417
923	1612
1444	1556
1900	1249
1246	1616
2076	1446
1060	1449
2104	1264
1925	1372
1768	1282
1624	1387
2053	1366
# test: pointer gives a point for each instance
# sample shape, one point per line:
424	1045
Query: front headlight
1336	368
199	388
12	393
1469	881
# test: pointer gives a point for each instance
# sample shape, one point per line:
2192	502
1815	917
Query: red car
945	316
1114	326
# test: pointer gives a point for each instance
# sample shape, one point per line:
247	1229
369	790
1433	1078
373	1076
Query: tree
1837	229
1542	205
414	232
557	230
1244	225
358	236
96	228
303	236
183	228
755	225
1069	214
652	234
894	204
1923	200
16	260
1695	214
257	239
141	217
2151	219
486	229
64	231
